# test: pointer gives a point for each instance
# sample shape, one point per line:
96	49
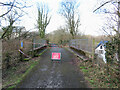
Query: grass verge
15	75
96	76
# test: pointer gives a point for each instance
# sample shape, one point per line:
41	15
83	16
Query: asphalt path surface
55	74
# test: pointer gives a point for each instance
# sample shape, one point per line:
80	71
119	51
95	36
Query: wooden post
32	47
21	56
93	52
119	40
119	30
0	54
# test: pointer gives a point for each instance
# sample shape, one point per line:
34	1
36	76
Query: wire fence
38	43
86	45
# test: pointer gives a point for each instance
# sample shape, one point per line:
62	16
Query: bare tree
12	5
8	30
59	36
12	10
43	20
114	17
119	29
68	10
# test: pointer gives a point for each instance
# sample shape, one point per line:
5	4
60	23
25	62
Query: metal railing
82	44
38	43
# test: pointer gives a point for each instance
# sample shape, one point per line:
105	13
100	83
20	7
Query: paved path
48	74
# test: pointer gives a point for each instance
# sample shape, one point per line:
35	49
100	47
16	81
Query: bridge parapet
85	45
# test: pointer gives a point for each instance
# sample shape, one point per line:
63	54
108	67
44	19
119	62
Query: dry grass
97	76
11	48
15	74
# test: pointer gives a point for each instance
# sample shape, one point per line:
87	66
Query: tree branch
102	5
9	9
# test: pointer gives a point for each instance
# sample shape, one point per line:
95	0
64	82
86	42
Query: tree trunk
119	30
119	40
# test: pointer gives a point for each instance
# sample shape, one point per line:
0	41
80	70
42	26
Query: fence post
32	47
93	43
0	54
1	64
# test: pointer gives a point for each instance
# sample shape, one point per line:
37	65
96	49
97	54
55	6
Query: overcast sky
91	23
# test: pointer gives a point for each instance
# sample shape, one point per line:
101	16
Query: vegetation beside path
96	76
15	75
